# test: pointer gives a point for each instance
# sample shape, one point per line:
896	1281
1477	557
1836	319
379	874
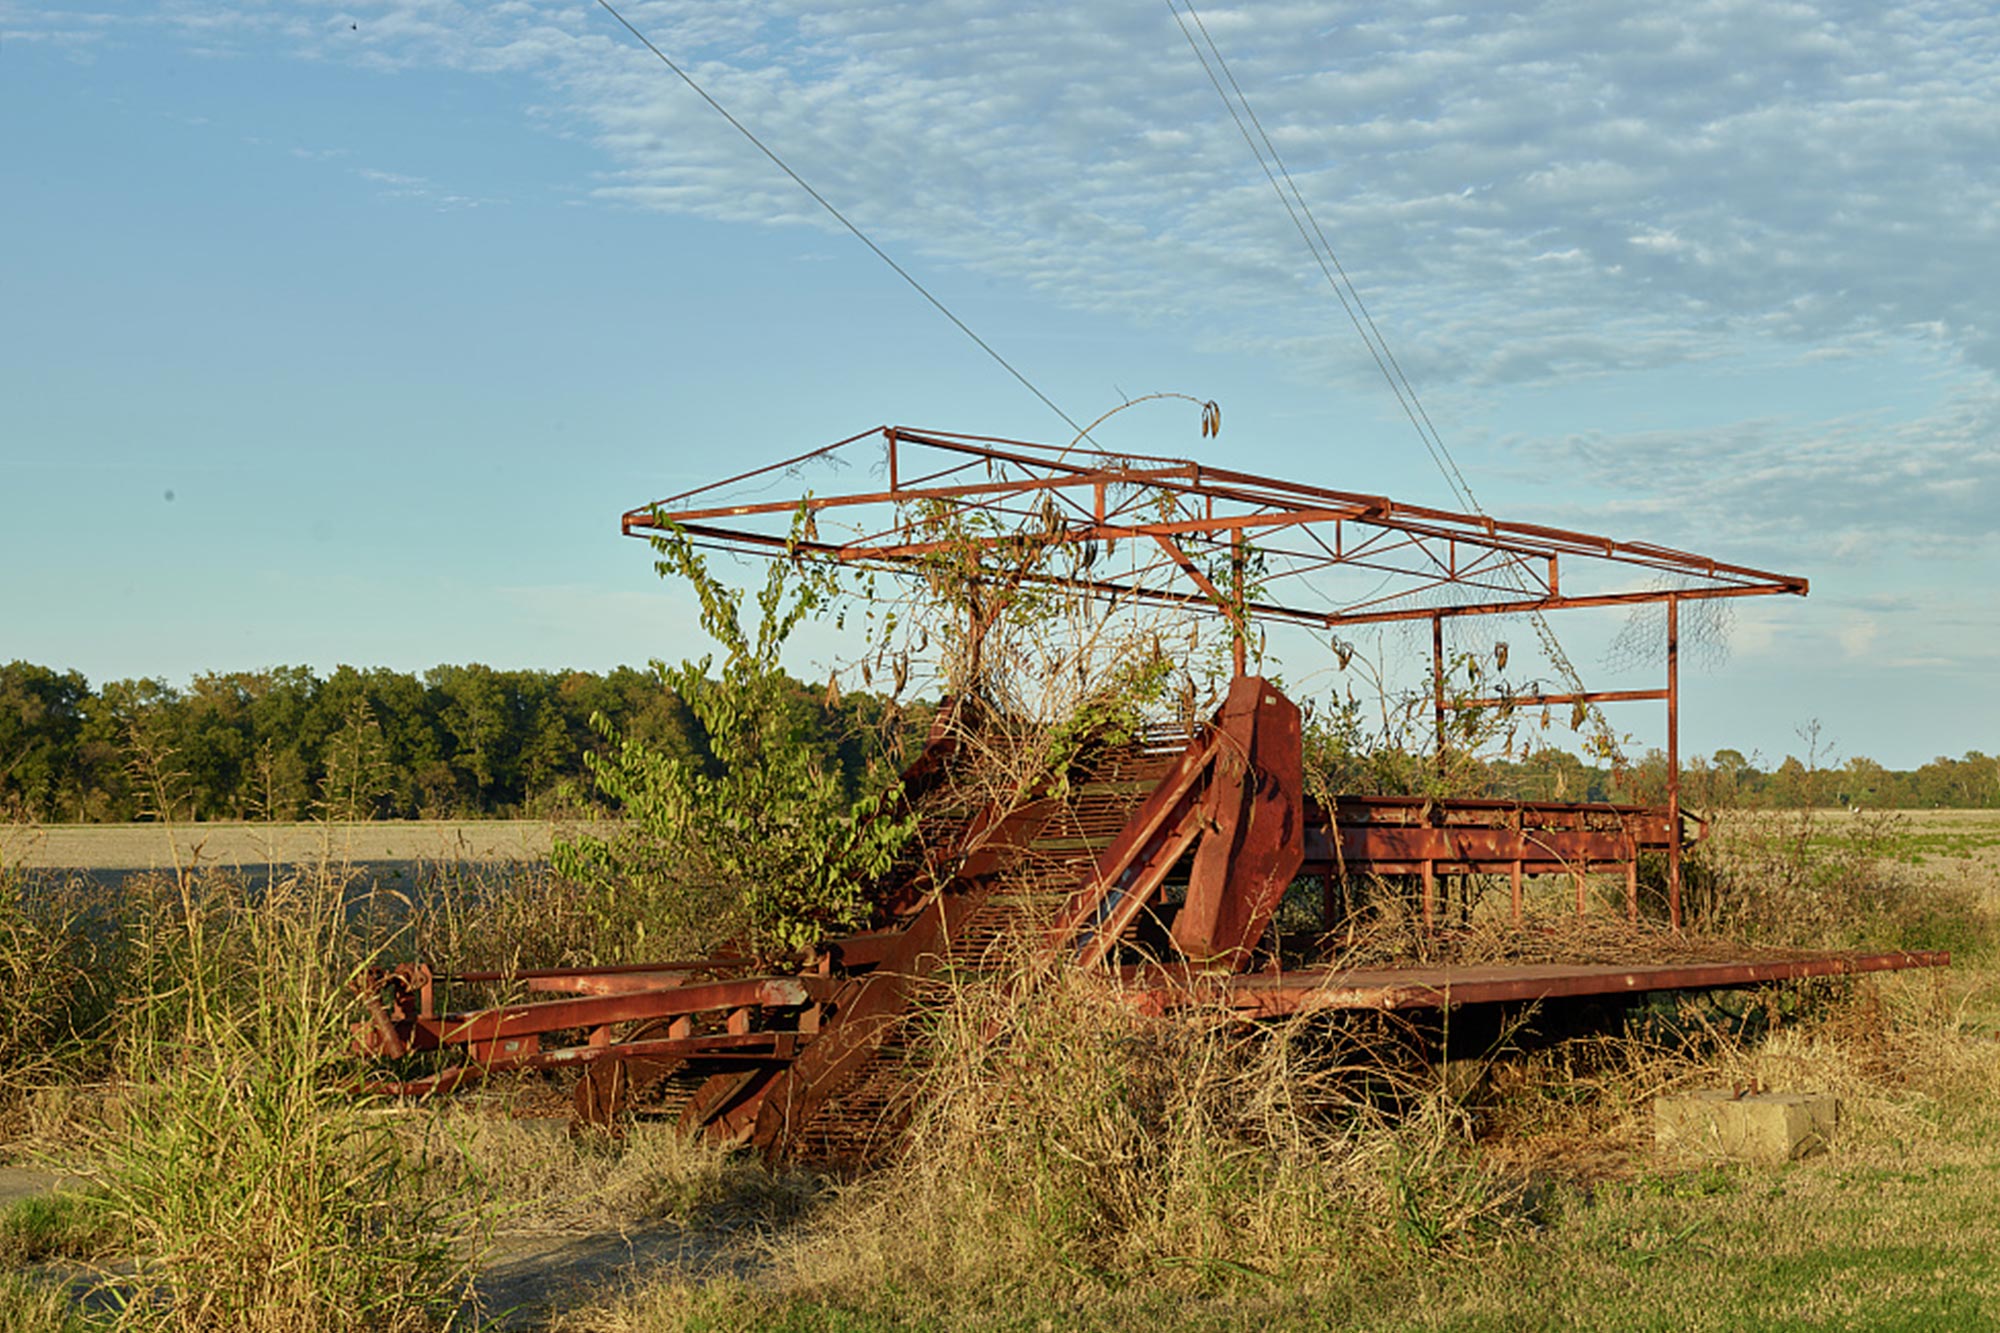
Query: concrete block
1755	1127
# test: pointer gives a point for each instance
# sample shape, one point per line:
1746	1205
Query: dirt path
528	1280
25	1182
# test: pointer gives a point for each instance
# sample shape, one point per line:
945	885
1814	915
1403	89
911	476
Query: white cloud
1529	195
1858	487
1714	172
1858	634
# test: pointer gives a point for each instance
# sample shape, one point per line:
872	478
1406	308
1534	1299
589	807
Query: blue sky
405	302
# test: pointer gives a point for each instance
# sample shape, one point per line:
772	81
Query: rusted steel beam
1362	846
613	983
1426	809
503	1057
1539	700
1255	838
484	1028
707	966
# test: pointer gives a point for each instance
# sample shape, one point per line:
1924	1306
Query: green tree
41	729
759	835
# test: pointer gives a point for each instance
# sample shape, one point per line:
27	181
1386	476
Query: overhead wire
842	218
1364	323
1322	253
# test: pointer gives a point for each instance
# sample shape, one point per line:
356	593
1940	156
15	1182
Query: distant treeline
1728	778
287	743
464	741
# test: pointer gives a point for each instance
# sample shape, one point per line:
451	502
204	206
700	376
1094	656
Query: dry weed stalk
1061	1136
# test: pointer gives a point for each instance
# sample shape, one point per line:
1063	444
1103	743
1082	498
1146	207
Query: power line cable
1410	409
1454	478
841	218
1365	325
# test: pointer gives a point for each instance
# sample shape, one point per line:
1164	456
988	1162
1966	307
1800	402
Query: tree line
472	741
287	743
1730	779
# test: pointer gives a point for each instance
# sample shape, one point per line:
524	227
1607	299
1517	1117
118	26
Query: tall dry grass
254	1190
1062	1139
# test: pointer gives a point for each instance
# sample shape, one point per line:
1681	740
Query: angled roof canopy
1169	531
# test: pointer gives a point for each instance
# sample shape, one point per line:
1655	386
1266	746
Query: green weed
63	1225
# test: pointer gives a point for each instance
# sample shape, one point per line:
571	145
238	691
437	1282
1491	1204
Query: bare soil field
127	848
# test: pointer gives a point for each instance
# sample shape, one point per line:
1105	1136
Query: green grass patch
61	1225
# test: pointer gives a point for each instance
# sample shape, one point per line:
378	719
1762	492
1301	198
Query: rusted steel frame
1487	531
1437	684
1674	760
1565	602
1585	697
1422	582
617	983
754	1047
1158	832
1157	989
995	504
1337	555
764	1046
1114	591
819	504
1239	640
1227	484
1485	804
939	474
869	1009
1533	867
1221	483
498	1024
1414	535
529	974
1201	580
1581	543
1369	844
741	477
987	446
1526	984
1251	831
383	1035
862	550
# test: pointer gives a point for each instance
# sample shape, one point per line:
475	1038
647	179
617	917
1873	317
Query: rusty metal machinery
1162	862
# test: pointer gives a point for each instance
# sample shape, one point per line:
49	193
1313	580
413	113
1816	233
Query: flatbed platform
1279	994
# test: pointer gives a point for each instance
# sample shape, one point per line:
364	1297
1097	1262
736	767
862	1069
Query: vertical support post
892	458
1576	873
1239	650
1437	683
1430	896
1674	762
1632	891
1517	893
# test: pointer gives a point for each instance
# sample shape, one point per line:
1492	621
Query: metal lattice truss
1188	533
